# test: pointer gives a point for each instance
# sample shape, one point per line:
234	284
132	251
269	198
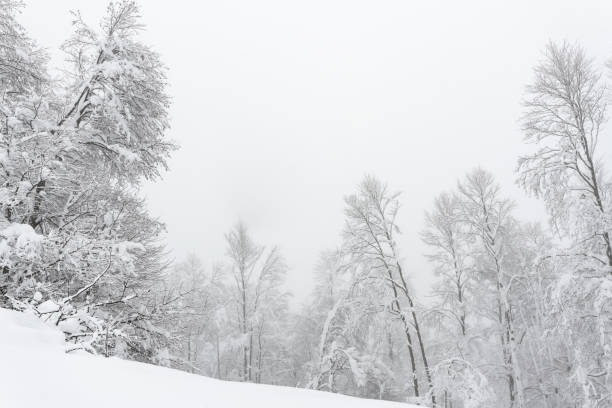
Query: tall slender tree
565	113
257	276
488	216
369	236
565	110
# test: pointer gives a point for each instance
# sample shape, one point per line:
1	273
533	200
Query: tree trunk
259	358
218	359
398	310
189	350
250	376
245	350
418	333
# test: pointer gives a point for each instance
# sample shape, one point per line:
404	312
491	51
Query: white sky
280	108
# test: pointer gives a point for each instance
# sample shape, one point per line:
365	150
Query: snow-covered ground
36	372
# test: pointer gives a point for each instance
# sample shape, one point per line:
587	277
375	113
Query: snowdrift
36	372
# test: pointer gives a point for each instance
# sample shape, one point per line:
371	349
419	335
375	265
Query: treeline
521	314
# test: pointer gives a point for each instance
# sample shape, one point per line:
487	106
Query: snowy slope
37	373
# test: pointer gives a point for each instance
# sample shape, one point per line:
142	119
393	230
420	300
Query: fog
280	108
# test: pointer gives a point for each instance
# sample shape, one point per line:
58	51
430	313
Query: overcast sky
281	107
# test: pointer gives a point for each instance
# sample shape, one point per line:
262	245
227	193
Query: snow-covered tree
490	311
22	71
369	237
565	113
350	352
565	110
258	300
447	235
488	216
74	152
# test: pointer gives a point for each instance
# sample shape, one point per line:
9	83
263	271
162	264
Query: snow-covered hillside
36	372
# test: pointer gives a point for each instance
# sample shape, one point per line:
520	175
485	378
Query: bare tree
370	235
489	218
257	278
446	235
565	111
